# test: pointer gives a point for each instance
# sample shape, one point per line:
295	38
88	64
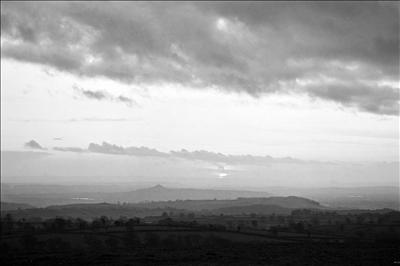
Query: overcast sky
309	81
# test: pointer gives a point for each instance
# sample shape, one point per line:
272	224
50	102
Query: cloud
97	95
102	95
366	98
71	149
114	149
32	144
126	100
229	159
87	119
94	119
252	47
205	156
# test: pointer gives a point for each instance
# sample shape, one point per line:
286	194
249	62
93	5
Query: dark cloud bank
207	156
345	52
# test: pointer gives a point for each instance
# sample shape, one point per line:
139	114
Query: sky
219	90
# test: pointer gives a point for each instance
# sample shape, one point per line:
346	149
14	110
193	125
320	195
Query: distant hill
161	193
87	211
256	208
9	206
278	205
42	195
155	193
290	202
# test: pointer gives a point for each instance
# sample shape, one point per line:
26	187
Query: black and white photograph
200	133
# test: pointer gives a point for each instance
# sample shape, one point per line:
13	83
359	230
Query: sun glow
222	175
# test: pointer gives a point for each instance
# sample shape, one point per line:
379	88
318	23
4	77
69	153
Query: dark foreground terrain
303	237
216	254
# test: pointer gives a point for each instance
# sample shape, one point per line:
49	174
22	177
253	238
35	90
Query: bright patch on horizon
222	24
222	175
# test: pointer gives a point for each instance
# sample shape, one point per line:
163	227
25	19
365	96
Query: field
145	244
176	237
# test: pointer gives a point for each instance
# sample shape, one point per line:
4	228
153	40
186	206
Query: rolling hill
278	205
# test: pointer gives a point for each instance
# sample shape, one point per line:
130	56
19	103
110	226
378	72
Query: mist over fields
71	177
54	167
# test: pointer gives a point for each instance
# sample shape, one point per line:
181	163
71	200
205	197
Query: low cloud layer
346	52
85	168
115	149
32	144
101	95
71	149
206	156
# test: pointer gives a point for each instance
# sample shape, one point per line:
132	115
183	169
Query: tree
81	224
121	221
131	223
96	224
102	222
59	224
166	221
105	222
